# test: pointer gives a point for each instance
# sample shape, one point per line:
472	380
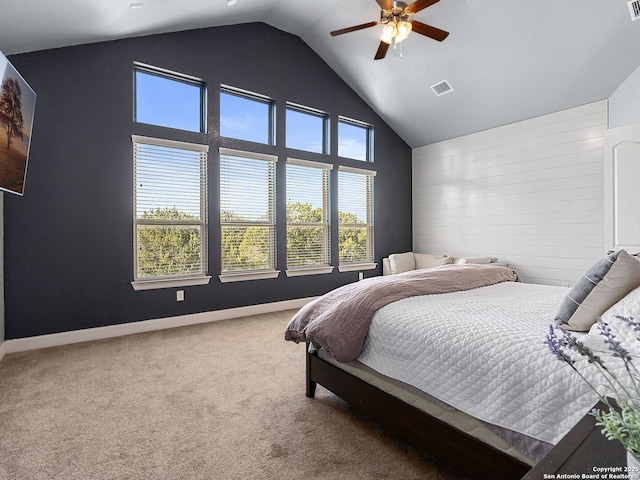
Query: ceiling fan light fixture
389	32
403	29
396	18
395	31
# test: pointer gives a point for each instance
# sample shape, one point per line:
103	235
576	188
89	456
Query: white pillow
402	262
481	260
427	260
629	307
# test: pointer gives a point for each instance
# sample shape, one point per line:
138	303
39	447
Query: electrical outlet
360	275
180	295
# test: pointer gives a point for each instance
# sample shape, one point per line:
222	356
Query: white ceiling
507	60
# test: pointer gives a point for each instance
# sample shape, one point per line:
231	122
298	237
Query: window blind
355	215
170	184
247	211
307	214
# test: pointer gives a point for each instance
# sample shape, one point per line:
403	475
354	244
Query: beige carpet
223	400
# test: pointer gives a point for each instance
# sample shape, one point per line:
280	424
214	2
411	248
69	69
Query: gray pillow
582	288
622	277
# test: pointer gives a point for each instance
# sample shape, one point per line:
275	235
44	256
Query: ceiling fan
397	18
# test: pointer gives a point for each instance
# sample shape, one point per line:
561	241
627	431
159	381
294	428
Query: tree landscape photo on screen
17	105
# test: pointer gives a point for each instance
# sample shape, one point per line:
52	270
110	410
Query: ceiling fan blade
382	51
385	4
419	5
353	29
429	31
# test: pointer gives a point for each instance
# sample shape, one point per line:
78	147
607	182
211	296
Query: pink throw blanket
339	320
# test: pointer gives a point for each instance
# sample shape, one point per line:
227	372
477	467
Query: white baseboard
100	333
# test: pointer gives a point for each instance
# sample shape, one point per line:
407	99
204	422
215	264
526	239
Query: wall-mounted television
17	106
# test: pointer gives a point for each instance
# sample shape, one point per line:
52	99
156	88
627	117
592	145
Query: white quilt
483	352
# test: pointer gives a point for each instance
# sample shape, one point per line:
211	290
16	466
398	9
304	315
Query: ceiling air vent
443	87
634	9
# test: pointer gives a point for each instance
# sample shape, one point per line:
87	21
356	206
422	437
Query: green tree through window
353	239
168	249
243	247
170	209
247	212
307	217
306	243
355	216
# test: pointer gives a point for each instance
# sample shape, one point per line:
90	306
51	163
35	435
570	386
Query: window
247	215
307	217
169	99
246	116
355	218
170	237
306	129
355	139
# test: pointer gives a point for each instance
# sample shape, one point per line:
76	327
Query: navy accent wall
69	239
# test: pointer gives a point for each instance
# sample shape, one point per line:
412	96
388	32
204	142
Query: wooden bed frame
441	441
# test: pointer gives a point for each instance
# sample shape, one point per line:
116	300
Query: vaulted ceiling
507	60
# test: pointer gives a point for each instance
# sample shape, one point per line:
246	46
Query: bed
461	371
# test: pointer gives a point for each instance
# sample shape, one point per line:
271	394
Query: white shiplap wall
530	193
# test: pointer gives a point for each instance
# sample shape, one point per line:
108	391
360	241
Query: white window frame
369	264
178	280
271	271
325	267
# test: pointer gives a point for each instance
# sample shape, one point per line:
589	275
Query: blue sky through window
168	102
305	131
244	118
352	141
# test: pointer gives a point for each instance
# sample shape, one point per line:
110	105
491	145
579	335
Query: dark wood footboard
434	437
